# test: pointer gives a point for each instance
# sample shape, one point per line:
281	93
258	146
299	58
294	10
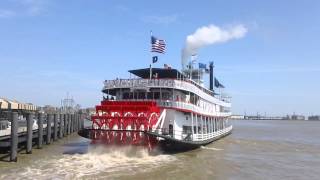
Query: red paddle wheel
125	122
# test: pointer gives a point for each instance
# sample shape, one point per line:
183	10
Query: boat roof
161	73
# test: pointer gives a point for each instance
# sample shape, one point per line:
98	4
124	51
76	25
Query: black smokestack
211	75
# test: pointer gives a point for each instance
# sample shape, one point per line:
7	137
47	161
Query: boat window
186	129
166	96
156	95
141	95
125	96
149	95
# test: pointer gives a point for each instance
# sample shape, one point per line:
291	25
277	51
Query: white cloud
160	19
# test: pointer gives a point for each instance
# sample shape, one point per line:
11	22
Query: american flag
157	45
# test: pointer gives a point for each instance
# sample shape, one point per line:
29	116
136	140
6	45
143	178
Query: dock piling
49	120
61	126
55	127
78	123
69	124
72	123
40	130
14	137
65	120
29	132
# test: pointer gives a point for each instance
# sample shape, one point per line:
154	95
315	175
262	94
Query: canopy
160	72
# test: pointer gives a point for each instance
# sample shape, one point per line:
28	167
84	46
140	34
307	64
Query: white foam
211	148
100	161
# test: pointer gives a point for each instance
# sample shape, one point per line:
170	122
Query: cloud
160	19
209	35
6	13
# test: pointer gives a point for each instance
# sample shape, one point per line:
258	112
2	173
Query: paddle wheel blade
123	123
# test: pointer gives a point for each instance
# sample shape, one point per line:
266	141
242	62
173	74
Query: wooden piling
75	122
14	137
49	120
65	120
68	124
61	126
77	118
40	130
29	132
55	127
72	123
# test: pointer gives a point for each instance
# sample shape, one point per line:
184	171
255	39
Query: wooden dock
49	128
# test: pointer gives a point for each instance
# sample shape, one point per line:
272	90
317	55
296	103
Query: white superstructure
189	111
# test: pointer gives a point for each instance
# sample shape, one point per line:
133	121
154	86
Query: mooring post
75	122
65	120
72	123
49	120
82	121
40	130
61	126
29	132
78	123
14	137
69	120
55	127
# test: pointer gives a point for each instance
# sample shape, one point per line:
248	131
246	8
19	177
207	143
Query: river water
255	150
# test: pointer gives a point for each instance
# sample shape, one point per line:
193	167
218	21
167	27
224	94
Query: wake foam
98	162
211	148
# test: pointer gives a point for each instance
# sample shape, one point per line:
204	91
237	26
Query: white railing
191	107
167	83
193	137
185	106
202	137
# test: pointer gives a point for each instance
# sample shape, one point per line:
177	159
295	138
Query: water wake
99	162
211	148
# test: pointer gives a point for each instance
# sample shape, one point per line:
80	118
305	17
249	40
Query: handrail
193	137
185	106
145	83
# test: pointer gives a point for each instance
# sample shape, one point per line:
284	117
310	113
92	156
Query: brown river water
255	150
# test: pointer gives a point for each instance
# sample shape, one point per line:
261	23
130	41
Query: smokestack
211	75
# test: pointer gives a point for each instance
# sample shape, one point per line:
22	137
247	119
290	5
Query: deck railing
192	137
166	83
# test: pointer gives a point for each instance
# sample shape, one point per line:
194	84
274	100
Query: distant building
316	118
236	117
49	109
14	105
297	117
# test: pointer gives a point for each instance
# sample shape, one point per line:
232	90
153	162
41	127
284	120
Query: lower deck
191	126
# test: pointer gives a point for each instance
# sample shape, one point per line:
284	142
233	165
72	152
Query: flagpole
151	57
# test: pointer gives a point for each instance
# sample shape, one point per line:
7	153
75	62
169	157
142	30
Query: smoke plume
208	35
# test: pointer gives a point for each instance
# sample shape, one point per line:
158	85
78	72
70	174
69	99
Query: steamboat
161	107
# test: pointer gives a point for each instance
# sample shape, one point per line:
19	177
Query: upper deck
178	84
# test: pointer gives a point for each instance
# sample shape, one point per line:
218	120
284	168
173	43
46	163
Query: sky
49	48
